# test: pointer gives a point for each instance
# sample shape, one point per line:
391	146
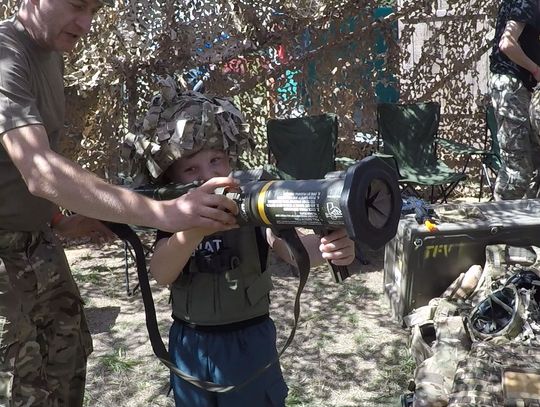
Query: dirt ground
348	351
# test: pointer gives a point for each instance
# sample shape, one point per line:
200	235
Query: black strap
301	257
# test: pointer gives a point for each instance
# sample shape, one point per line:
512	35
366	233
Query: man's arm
509	45
59	180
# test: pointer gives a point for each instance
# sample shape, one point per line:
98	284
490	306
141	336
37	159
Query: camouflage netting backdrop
279	59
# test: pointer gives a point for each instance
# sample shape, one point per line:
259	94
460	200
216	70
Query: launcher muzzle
365	200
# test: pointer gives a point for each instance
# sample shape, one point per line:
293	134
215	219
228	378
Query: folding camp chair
490	154
408	132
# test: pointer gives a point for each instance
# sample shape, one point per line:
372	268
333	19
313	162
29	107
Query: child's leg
228	358
237	355
187	348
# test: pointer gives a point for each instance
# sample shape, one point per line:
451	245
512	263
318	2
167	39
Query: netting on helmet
179	124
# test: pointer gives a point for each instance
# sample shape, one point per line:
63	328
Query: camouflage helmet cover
179	124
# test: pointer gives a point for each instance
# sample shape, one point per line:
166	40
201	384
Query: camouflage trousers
520	147
44	338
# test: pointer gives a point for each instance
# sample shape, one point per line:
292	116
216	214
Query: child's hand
338	248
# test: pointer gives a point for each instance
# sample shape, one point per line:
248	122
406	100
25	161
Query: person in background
44	337
515	71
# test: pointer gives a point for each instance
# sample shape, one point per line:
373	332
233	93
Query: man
44	339
514	65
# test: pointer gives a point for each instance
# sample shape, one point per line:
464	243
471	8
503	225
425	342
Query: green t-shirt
31	92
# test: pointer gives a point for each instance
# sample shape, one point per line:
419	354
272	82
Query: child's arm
172	254
335	247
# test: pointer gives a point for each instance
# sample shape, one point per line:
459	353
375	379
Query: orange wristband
56	219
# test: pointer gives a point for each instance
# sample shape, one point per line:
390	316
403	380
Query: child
222	331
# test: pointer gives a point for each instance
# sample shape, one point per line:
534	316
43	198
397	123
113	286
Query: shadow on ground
348	352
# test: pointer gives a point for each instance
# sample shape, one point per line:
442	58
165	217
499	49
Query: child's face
200	166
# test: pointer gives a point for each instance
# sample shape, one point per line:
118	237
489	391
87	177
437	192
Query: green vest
237	292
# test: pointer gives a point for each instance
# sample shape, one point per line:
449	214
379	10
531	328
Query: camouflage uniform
459	365
479	377
511	87
434	375
520	148
534	116
44	338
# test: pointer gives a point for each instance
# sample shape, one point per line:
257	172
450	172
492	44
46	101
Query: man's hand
79	226
201	208
337	248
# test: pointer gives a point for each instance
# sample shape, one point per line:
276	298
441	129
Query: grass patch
88	400
297	397
127	326
117	362
359	290
360	339
85	257
319	285
340	308
353	318
392	378
323	339
90	277
100	268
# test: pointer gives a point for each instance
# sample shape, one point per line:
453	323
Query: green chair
407	132
490	155
303	147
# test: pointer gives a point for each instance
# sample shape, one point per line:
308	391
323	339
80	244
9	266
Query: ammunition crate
419	265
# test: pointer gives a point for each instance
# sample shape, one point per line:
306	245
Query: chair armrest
458	148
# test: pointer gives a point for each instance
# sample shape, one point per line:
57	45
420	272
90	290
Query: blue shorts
227	358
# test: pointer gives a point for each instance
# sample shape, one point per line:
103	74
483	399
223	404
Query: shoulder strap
127	234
